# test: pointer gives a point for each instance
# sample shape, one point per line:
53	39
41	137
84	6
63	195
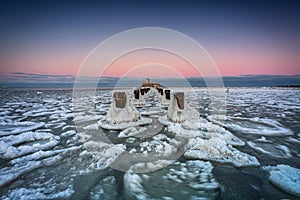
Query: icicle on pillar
176	112
121	111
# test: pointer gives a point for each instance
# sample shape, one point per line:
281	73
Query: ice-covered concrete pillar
179	111
179	96
121	110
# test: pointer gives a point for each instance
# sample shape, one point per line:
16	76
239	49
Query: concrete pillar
120	99
179	96
168	95
160	90
147	90
136	94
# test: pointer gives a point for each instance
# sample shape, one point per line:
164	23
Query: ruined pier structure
124	111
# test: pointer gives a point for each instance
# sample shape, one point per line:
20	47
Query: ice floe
286	178
103	153
9	174
271	149
193	177
18	145
258	126
216	149
19	127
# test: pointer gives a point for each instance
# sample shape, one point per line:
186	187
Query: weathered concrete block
180	99
120	98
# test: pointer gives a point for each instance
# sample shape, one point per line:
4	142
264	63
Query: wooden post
167	93
120	98
179	96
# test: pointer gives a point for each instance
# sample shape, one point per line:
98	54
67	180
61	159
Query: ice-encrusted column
121	110
179	111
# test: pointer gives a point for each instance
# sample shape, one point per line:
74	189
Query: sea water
44	154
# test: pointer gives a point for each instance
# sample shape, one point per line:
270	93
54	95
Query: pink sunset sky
240	38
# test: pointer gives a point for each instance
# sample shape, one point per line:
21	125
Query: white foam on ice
286	178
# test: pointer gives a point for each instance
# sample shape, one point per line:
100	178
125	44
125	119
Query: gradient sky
54	37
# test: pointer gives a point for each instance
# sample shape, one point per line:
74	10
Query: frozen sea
44	154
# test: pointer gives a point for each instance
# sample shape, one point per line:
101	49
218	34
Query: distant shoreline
124	88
